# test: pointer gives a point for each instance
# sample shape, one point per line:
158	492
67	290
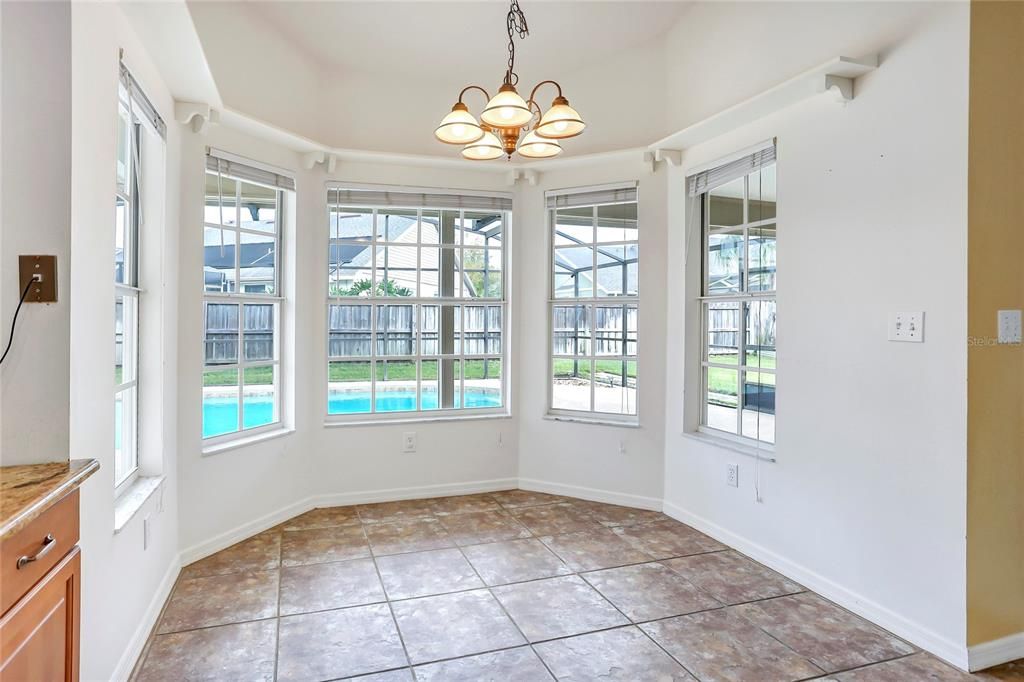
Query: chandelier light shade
504	126
560	121
459	126
533	146
488	147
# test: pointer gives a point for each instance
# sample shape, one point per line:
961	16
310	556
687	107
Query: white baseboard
138	639
996	652
414	493
594	494
250	528
914	632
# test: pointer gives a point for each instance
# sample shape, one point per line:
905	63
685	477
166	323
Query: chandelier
507	116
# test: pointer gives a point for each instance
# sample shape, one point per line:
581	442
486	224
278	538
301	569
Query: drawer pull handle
48	542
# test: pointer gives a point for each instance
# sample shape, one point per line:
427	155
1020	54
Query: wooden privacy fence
221	341
349	329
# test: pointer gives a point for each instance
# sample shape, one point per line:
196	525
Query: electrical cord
14	320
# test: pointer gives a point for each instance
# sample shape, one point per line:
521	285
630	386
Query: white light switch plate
906	327
1009	326
409	441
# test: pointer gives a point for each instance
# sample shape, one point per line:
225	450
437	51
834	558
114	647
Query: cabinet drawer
59	522
39	635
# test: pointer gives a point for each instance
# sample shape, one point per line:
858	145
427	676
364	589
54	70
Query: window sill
245	441
765	453
597	421
129	502
385	421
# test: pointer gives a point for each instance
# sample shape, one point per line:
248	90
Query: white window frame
418	302
241	299
742	298
591	303
126	462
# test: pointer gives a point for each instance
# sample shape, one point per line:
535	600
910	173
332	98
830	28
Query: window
416	304
594	302
126	291
242	298
738	297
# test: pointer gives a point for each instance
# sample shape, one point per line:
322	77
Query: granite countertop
27	490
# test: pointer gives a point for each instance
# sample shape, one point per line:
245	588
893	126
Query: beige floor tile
731	577
244	651
220	599
514	561
487	526
667	539
320	545
413	535
510	665
555	519
514	499
649	591
592	550
557	607
621	654
916	668
333	644
611	515
402	510
323	517
723	646
334	585
261	552
453	625
420	574
462	504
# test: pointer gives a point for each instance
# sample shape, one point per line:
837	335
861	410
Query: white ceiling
439	40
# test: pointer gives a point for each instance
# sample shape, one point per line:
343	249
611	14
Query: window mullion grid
373	311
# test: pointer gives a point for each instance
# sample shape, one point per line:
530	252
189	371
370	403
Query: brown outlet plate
40	292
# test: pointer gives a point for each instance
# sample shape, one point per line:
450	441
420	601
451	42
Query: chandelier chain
516	21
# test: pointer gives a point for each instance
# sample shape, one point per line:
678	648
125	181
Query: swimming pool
220	415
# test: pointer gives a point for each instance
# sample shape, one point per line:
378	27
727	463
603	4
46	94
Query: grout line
391	609
277	628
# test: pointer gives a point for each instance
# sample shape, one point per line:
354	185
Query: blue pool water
220	415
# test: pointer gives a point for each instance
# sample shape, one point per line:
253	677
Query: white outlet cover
1009	326
409	441
732	475
907	327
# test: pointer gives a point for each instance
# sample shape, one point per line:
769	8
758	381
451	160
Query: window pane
722	323
259	399
615	386
482	330
125	433
220	402
429	282
123	146
396	271
397	226
258	208
483	383
721	398
616	223
570	389
430	227
221	191
725	204
395	383
122	223
396	325
218	260
353	224
761	276
258	331
441	329
126	340
574	272
574	226
481	272
759	406
571	330
348	387
724	262
428	385
615	330
761	193
258	269
348	330
346	281
614	277
482	229
761	334
221	333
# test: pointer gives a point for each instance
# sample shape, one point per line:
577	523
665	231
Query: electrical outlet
146	526
1009	326
732	475
409	441
906	327
622	447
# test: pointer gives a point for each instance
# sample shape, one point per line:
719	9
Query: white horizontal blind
240	171
140	103
391	198
702	182
591	196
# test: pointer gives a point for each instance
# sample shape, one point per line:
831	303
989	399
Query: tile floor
509	586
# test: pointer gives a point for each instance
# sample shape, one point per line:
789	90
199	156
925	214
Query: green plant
363	287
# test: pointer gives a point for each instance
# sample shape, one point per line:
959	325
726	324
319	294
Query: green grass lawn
563	368
722	380
401	370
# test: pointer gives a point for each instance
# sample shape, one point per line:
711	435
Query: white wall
123	583
35	219
578	458
867	500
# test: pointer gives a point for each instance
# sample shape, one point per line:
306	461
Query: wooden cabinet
40	568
